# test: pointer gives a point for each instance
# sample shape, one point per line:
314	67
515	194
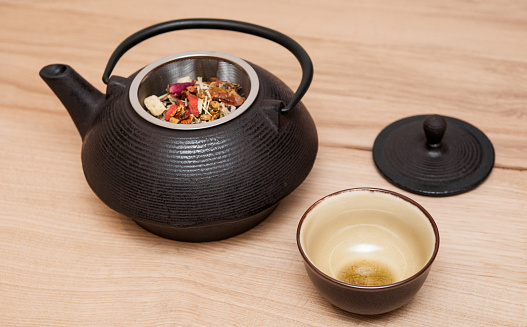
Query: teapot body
189	182
204	184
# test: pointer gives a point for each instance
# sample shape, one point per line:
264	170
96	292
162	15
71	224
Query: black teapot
195	182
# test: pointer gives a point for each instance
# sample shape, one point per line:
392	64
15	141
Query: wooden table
66	259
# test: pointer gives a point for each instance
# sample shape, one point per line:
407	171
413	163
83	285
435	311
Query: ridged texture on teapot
185	178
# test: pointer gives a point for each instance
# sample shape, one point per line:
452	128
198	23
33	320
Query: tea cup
367	250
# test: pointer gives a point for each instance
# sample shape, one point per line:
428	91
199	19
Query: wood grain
66	259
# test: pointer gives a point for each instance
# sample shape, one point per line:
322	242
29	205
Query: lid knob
435	127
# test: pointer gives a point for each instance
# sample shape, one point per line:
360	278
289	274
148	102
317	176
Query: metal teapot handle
223	24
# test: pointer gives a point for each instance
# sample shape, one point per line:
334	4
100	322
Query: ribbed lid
433	155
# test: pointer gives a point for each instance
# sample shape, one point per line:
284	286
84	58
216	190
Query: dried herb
195	101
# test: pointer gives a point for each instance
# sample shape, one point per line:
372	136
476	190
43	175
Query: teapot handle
223	24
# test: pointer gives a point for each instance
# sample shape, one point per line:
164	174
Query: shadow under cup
368	251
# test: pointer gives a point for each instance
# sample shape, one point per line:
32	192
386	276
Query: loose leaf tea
195	101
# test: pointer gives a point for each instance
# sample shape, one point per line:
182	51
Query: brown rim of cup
404	281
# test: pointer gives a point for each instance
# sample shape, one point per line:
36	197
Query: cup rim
361	287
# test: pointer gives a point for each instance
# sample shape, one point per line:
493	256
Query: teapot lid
433	155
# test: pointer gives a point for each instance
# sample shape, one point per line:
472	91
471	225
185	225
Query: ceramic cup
368	251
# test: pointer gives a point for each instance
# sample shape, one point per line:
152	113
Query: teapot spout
80	98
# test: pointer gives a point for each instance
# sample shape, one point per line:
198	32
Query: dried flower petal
193	104
176	89
171	112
